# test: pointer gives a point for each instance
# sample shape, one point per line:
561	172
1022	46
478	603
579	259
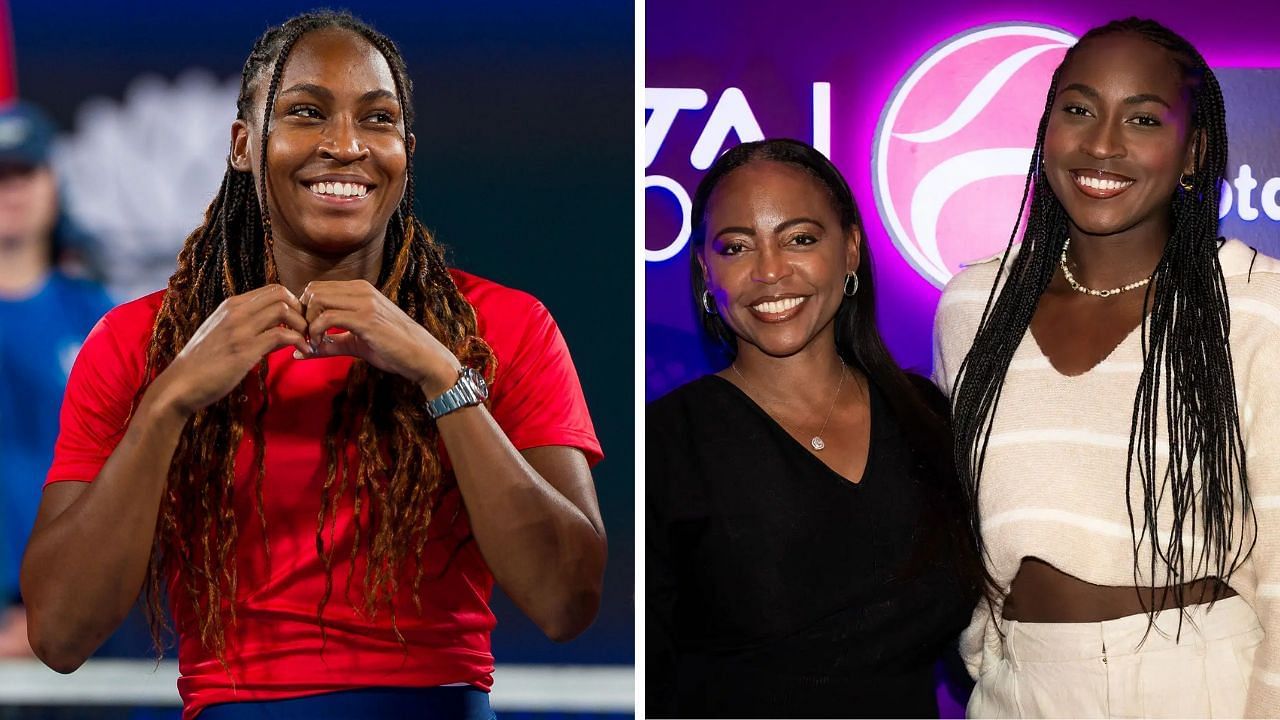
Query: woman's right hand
229	344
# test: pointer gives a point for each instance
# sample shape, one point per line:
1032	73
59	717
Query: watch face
477	381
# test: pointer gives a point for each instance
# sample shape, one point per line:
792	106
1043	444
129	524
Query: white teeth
1100	184
777	306
340	189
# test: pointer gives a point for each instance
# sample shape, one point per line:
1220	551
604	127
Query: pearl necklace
816	442
1071	280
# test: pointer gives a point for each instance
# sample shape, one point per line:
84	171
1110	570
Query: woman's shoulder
142	310
690	398
129	325
1249	273
677	426
112	360
492	299
513	322
966	294
1253	292
974	280
960	309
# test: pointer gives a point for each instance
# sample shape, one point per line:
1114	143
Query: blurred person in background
45	314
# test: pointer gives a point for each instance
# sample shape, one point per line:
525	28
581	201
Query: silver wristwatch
471	389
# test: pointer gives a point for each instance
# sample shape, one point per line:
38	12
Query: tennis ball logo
954	143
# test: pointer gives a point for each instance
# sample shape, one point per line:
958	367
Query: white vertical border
638	384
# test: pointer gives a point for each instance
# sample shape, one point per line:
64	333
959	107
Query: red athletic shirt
274	648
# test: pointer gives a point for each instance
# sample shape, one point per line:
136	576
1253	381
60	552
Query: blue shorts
442	703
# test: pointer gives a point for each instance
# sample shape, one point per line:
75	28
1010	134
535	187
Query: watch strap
468	391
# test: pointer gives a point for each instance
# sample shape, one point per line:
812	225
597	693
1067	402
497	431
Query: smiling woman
1117	447
805	554
320	442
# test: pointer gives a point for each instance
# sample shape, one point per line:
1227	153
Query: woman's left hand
376	330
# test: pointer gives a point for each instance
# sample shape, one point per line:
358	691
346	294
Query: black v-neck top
774	587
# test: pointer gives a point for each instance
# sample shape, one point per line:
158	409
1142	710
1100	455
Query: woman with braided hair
321	443
1115	405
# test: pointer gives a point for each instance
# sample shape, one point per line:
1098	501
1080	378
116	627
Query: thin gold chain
816	442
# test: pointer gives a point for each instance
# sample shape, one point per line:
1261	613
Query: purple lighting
773	53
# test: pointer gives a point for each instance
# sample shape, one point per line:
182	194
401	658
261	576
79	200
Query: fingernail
314	349
297	355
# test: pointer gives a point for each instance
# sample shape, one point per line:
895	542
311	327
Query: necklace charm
816	442
1075	285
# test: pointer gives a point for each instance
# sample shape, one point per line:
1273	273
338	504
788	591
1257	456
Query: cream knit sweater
1054	480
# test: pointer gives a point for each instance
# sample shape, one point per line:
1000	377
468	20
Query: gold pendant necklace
816	442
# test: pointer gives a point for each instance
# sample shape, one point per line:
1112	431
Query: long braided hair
396	480
1187	367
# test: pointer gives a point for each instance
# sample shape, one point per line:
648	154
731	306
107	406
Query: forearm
84	567
546	552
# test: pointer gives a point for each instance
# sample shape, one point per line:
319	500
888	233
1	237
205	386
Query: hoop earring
708	303
1186	184
850	292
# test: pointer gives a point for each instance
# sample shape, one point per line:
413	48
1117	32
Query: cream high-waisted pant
1105	670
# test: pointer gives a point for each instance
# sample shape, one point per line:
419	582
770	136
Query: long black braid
1187	364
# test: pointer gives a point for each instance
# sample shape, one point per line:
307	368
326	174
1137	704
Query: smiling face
775	257
337	154
1118	135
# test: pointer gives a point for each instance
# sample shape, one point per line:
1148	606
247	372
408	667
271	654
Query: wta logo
954	143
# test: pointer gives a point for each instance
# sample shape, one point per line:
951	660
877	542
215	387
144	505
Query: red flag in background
8	68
